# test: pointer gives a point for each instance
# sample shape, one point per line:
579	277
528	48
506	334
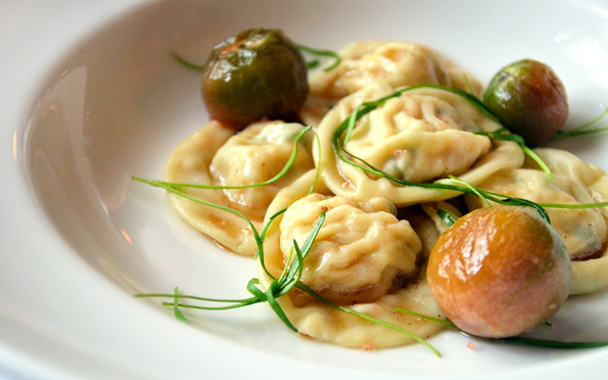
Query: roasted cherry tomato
529	99
499	271
258	74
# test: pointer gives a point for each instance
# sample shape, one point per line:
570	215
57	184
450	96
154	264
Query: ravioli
361	253
373	228
379	63
214	155
424	135
584	231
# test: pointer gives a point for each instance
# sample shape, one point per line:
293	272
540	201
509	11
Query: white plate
90	97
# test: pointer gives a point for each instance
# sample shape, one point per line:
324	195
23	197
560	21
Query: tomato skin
255	75
499	271
529	99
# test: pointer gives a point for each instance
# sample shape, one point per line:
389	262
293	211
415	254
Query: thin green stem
317	166
574	206
552	343
194	298
475	190
185	62
444	322
198	307
515	339
504	134
322	53
447	218
468	84
365	317
583	128
178	314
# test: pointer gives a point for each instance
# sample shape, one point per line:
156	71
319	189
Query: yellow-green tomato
529	99
257	74
499	271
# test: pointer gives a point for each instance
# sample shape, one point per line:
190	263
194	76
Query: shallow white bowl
92	97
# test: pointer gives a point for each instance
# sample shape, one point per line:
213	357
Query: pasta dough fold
214	155
379	63
361	253
423	135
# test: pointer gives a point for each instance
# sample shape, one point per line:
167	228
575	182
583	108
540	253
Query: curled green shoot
321	53
289	278
278	287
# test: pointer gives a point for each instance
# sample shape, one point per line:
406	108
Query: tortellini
384	64
334	270
214	155
584	231
361	253
254	156
423	135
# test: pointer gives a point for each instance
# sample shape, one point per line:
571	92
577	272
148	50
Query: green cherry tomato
258	74
529	99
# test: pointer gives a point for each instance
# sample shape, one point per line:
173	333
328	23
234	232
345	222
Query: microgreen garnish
185	62
322	53
289	278
446	217
583	128
278	287
515	339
